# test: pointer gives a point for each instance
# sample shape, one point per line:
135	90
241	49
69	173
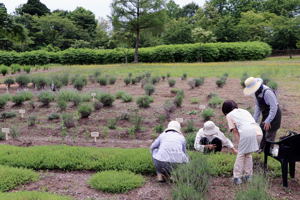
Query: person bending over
169	150
210	138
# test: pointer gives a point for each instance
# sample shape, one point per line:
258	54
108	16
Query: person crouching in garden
210	138
169	150
246	131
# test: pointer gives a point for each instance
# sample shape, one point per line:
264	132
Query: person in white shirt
210	138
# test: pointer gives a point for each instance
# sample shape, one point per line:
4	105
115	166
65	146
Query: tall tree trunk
137	40
137	44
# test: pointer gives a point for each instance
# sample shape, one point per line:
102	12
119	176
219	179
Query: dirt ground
74	183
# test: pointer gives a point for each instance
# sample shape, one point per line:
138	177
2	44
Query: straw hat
210	128
252	85
174	126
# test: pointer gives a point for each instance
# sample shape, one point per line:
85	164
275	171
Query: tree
10	31
189	10
288	8
137	15
173	9
178	32
203	36
33	7
85	22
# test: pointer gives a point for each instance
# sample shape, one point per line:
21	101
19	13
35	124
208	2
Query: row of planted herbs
117	170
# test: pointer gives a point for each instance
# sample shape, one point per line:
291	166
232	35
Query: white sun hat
174	126
252	85
210	128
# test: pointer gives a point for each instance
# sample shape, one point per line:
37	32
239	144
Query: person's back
171	148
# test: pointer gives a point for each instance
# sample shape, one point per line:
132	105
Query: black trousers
215	141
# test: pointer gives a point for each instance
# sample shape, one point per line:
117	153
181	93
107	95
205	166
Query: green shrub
207	114
62	105
144	101
119	94
256	189
76	99
171	82
159	128
7	115
27	69
107	100
190	127
265	77
112	123
2	136
79	83
98	105
116	181
184	76
199	81
169	107
4	70
97	73
9	81
23	80
243	79
40	82
127	81
174	91
18	99
32	120
178	99
112	80
137	122
64	79
68	120
3	101
149	89
207	52
190	140
155	80
273	85
53	116
191	180
10	177
221	82
70	158
194	100
134	81
126	98
215	101
103	81
31	195
85	110
192	84
46	97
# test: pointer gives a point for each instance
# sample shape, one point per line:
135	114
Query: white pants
243	165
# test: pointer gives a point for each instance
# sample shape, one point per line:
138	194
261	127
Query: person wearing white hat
210	138
267	105
169	150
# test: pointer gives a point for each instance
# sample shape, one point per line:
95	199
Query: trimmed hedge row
165	53
32	195
77	158
12	177
102	159
116	181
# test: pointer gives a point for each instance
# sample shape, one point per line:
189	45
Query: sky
101	8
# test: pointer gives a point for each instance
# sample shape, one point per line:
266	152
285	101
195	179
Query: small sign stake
22	112
6	131
93	95
95	135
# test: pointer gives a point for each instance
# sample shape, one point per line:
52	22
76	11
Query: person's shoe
160	178
237	181
246	179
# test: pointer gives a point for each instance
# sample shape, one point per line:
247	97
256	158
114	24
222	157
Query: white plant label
95	135
22	112
6	131
180	120
202	107
93	95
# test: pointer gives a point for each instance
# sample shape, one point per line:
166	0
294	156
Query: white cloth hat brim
211	132
251	90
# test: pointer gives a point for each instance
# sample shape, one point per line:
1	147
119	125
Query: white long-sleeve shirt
225	141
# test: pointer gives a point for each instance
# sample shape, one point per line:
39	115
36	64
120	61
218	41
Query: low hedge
77	158
207	52
116	181
32	195
102	159
12	177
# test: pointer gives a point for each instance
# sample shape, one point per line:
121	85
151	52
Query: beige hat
175	126
252	85
210	128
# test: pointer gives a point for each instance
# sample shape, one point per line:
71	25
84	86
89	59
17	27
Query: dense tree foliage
146	23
